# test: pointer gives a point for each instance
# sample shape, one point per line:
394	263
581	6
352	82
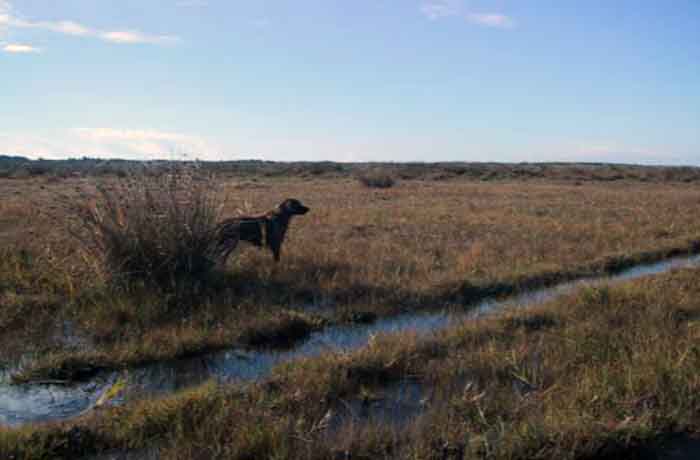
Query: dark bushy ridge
20	167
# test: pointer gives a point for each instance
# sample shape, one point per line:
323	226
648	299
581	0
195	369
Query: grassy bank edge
323	379
291	328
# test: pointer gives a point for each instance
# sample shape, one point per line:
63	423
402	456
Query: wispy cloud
151	144
5	8
8	21
439	9
135	37
61	27
130	144
31	146
80	30
496	20
143	144
17	48
436	9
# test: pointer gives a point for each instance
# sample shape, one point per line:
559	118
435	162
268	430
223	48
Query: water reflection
32	403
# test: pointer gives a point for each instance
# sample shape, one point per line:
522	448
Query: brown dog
272	226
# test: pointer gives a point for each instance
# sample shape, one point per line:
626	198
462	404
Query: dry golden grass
420	244
422	235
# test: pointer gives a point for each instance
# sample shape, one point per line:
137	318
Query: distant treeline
20	167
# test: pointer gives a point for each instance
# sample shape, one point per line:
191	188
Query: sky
352	80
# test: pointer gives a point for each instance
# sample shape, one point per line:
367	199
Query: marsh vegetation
600	370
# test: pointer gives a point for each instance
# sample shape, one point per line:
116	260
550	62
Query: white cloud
4	18
5	8
62	27
151	144
79	30
8	21
437	9
33	146
16	48
145	144
496	20
67	27
128	144
134	37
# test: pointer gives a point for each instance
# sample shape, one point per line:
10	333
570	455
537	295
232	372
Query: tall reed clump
151	227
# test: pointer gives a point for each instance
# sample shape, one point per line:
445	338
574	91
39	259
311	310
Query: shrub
151	228
376	179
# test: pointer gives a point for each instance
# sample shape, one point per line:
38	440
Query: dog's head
293	207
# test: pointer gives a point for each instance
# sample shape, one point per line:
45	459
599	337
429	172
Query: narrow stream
21	404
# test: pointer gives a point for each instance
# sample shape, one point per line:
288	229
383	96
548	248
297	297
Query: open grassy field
601	373
360	253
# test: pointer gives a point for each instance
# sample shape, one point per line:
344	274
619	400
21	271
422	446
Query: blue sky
362	80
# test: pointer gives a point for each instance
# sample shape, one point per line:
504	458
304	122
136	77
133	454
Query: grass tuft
155	229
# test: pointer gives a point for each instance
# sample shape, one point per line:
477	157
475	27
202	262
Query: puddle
542	295
21	404
241	366
682	448
33	403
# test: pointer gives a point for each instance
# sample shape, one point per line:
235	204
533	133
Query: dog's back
251	230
